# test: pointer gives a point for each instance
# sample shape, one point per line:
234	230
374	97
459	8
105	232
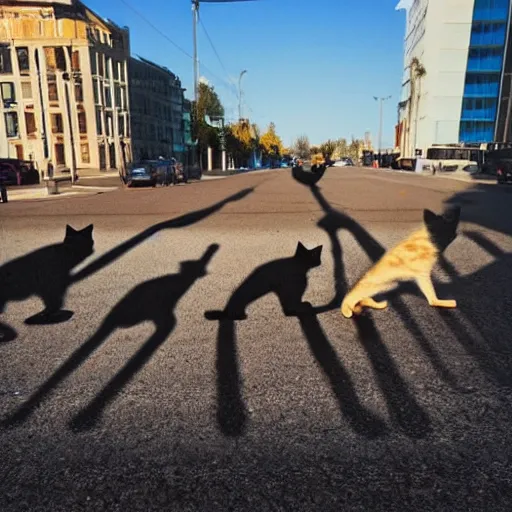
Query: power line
165	36
217	54
156	28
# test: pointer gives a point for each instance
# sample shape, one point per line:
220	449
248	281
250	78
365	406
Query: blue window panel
492	10
481	109
488	34
485	59
476	131
482	85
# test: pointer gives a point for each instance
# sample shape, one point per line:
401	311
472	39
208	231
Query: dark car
141	173
18	172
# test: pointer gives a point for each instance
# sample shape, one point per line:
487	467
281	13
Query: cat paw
450	304
346	311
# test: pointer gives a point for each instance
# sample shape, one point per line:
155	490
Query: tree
301	147
241	140
208	104
271	143
416	73
327	148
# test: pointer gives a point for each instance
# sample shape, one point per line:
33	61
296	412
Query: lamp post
242	73
381	101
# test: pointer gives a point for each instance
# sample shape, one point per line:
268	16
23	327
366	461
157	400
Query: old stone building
157	108
64	86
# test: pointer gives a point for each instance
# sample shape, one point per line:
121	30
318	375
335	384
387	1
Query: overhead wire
176	45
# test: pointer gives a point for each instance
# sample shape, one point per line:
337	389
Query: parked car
141	173
343	162
19	172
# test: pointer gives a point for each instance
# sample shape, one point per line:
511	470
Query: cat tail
215	315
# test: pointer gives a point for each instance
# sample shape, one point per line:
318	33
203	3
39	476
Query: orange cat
411	260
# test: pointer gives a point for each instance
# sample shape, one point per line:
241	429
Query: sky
313	67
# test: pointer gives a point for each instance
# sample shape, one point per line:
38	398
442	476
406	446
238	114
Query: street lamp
240	93
381	101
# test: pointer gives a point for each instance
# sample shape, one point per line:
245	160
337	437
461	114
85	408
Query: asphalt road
138	402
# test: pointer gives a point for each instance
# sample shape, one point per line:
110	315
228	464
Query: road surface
138	402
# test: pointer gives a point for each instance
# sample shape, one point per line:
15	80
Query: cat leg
427	288
373	304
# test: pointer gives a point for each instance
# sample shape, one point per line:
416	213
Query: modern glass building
465	48
484	74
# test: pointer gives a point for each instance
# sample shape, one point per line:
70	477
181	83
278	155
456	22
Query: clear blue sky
313	66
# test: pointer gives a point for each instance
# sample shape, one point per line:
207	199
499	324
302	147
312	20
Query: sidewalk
459	176
39	192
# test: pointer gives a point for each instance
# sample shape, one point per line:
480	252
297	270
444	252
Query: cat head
311	258
196	269
442	228
80	239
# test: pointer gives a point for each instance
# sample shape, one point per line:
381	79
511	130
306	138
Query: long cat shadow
404	410
47	272
484	299
287	278
154	301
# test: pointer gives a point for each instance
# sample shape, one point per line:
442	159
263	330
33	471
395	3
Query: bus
458	158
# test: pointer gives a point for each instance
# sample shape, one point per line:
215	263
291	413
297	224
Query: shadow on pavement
154	301
287	278
404	410
46	272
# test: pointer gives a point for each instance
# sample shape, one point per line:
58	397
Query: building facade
64	86
157	109
463	94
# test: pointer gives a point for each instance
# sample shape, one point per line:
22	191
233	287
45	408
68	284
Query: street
133	400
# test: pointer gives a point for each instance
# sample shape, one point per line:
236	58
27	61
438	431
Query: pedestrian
49	171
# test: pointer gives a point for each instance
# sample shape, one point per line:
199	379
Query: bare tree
302	148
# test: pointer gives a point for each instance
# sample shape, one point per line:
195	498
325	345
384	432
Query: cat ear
318	250
429	217
88	230
300	249
70	231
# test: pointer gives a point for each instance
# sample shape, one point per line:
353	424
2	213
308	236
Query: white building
461	46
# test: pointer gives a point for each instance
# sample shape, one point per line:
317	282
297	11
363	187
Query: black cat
286	277
46	272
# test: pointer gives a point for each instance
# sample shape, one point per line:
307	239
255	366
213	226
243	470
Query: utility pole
240	94
195	18
381	102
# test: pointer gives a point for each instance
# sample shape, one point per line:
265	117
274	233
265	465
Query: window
82	122
57	125
115	69
23	59
79	93
94	62
117	94
108	61
108	119
108	97
84	153
5	59
60	59
11	124
99	130
95	92
49	55
75	60
53	94
30	122
8	95
120	122
100	65
59	154
26	90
